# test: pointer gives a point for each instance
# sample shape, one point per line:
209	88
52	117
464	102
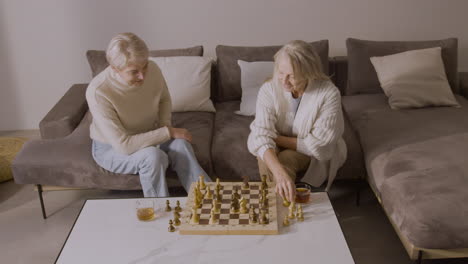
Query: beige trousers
292	161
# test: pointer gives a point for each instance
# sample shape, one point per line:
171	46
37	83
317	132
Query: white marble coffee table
107	231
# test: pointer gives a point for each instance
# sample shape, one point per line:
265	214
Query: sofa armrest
67	113
463	77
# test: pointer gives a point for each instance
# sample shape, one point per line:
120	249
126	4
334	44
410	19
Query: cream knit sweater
318	126
129	118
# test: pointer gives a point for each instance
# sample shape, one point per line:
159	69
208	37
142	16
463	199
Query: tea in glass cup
145	209
302	193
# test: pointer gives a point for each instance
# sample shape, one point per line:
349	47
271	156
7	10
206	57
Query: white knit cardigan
318	126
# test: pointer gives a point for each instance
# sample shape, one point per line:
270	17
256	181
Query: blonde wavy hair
126	49
304	60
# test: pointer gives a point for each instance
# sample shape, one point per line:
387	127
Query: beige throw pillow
414	79
188	80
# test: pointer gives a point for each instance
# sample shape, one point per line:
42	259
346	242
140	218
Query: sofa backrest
227	71
98	62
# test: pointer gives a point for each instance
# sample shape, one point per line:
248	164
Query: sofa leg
358	194
419	260
39	191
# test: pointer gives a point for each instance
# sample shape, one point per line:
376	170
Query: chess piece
291	214
243	205
213	219
195	218
264	200
300	214
176	214
236	193
217	190
197	187
214	205
178	208
245	185
293	205
168	207
202	182
286	221
253	218
171	227
264	183
234	204
208	194
176	218
286	203
300	217
218	184
263	217
198	203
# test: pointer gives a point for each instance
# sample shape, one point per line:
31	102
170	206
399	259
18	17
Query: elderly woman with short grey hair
131	128
299	123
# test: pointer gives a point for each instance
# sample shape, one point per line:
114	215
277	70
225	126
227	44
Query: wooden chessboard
230	223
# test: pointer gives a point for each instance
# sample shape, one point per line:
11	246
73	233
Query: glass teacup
145	209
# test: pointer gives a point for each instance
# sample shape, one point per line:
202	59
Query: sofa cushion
68	161
192	91
362	78
428	203
387	136
98	62
228	72
414	79
231	158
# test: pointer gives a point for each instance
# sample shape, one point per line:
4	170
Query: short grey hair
304	59
125	49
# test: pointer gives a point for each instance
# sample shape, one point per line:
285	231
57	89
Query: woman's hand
285	185
181	133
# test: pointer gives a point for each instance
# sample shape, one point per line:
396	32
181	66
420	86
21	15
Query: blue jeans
151	164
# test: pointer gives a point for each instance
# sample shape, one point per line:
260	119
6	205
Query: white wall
43	43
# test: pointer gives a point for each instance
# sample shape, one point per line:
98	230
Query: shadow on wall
9	112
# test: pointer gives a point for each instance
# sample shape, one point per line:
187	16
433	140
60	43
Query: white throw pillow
253	75
188	79
414	79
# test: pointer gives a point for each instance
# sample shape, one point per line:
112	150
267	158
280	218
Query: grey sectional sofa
412	159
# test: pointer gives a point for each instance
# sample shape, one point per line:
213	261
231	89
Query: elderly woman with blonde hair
299	122
131	128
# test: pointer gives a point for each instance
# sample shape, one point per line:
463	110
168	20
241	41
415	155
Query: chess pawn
195	219
293	205
286	203
213	219
300	217
291	214
263	218
286	221
176	219
264	182
177	208
202	182
243	204
245	185
253	216
168	207
208	194
171	227
300	214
